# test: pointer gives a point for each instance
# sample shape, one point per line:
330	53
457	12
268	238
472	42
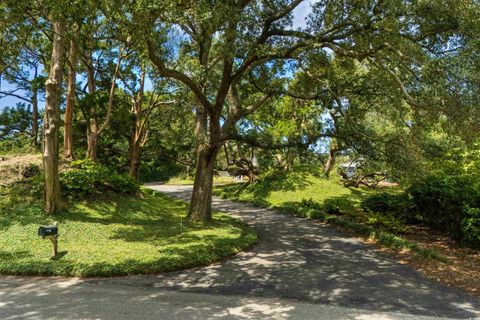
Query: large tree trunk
53	85
201	203
331	157
72	75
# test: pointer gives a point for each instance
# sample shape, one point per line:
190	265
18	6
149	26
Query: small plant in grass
386	221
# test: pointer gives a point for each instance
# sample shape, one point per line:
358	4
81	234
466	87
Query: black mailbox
47	231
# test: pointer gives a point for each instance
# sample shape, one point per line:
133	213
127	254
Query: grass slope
277	189
116	236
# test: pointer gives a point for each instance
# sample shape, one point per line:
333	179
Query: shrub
381	220
338	206
87	178
122	183
470	226
398	205
441	201
380	202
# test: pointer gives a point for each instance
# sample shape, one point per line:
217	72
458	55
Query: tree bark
92	126
92	141
70	104
331	157
35	112
53	85
135	154
201	202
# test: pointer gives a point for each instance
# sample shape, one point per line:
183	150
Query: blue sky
299	21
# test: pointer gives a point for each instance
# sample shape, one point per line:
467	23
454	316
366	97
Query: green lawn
120	235
279	189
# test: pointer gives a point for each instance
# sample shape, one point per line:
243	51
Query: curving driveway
298	270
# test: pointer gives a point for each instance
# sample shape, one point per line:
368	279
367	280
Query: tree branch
174	74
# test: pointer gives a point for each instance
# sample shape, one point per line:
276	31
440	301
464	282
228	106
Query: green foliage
121	235
340	205
380	202
87	178
470	226
385	221
155	170
16	144
440	201
398	205
15	120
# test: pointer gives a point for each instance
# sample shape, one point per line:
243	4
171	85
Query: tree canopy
199	86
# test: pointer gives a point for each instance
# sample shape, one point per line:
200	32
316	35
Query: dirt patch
462	269
11	168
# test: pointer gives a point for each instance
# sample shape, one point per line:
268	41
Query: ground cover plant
113	235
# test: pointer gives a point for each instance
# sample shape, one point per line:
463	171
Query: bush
470	226
441	201
338	206
87	178
398	205
385	221
20	143
380	202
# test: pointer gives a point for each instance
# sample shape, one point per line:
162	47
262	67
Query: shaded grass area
306	194
190	180
118	235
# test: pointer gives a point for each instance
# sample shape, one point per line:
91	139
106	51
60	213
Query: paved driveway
298	270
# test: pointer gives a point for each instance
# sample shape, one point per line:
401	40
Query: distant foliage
15	120
20	143
158	170
88	178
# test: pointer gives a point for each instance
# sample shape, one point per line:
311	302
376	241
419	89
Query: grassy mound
276	189
119	235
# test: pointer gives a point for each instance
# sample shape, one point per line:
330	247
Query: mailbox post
51	233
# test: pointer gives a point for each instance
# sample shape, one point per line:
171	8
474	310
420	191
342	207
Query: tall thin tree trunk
92	141
35	112
138	137
135	154
71	81
95	130
92	127
53	200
